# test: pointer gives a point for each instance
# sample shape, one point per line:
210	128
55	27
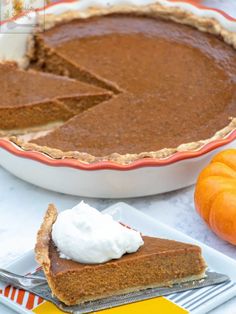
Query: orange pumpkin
215	195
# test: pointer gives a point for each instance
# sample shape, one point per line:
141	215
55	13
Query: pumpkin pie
173	85
159	262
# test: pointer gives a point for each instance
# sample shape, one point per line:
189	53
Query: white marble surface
22	207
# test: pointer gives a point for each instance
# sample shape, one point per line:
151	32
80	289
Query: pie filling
158	263
171	84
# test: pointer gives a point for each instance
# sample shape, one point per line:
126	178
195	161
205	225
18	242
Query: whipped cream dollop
85	235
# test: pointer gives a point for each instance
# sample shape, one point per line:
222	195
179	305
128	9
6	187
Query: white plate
106	183
199	301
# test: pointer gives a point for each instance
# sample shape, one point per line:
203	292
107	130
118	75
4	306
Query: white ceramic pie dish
102	179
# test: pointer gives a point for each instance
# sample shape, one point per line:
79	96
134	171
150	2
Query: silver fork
18	281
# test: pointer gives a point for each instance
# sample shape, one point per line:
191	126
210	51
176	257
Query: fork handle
20	281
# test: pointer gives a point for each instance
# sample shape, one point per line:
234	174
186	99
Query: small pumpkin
215	195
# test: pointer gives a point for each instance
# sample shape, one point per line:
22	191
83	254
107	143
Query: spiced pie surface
173	86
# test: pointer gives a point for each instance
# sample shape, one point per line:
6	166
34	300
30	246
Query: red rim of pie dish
102	165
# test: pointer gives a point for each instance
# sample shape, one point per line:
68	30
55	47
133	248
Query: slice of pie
158	262
30	98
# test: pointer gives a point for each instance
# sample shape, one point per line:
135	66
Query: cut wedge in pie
30	98
173	86
159	262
